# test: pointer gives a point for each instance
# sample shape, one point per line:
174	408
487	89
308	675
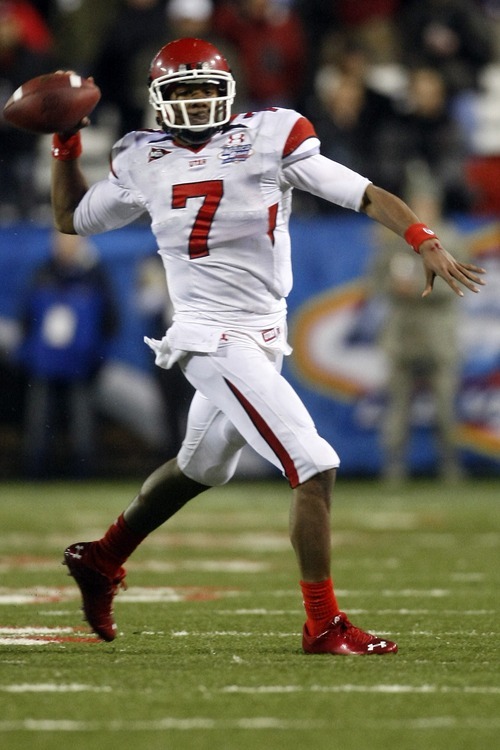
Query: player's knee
213	460
214	476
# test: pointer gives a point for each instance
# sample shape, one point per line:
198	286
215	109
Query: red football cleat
341	637
97	589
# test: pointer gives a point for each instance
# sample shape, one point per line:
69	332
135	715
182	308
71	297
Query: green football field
209	651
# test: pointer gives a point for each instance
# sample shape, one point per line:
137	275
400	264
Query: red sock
320	604
109	553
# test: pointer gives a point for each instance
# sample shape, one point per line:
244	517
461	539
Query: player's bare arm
68	183
393	213
68	188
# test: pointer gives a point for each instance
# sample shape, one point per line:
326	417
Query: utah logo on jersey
236	148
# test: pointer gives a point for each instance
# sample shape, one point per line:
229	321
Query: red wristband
68	149
418	233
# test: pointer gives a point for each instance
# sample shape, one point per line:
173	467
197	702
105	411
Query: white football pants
241	397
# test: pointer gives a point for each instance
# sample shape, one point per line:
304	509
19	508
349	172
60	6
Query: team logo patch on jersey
236	148
156	152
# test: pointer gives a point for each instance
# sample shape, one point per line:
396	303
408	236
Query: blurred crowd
386	82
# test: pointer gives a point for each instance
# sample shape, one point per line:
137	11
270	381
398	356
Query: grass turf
209	648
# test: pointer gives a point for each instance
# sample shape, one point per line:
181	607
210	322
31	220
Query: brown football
52	103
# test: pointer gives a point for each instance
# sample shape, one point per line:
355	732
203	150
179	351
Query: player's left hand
439	262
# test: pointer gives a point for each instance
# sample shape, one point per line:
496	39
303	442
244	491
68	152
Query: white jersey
220	214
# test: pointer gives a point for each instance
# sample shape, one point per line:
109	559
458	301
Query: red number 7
211	191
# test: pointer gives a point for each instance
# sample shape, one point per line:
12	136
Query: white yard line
55	595
51	687
381	689
38	635
31	630
160	725
167	594
256	723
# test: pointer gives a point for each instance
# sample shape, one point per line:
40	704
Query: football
52	103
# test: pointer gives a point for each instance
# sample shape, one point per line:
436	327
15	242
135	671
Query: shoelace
356	634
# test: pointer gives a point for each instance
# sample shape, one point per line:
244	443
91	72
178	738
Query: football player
217	187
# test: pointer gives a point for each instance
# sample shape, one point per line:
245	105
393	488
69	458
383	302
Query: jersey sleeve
111	203
105	206
302	141
327	179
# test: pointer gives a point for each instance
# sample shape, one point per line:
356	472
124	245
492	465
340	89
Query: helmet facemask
174	114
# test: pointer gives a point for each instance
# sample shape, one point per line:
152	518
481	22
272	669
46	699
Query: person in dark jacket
68	319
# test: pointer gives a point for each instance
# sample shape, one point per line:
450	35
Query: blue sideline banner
336	367
340	372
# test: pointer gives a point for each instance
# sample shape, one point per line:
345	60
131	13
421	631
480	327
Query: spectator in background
419	336
354	122
196	18
68	318
79	26
491	10
190	18
371	24
32	30
453	36
25	52
427	131
126	51
270	40
318	18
